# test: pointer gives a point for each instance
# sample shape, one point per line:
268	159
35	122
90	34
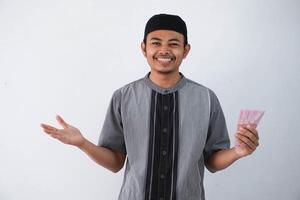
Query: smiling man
166	125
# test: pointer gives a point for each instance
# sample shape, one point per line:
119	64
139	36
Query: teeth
164	59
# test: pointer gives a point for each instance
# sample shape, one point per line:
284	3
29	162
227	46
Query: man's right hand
105	157
68	135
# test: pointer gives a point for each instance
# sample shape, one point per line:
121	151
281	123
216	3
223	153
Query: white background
68	56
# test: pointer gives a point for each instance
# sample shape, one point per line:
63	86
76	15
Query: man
168	126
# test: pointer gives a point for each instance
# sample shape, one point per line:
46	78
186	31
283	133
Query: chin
165	71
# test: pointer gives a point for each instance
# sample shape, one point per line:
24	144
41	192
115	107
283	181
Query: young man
168	126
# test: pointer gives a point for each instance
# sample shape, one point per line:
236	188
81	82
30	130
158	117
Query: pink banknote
250	117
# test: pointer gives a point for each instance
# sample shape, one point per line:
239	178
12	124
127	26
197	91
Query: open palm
68	135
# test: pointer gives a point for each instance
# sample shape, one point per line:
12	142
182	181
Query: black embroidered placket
163	147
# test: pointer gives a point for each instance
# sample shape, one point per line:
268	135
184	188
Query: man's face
165	51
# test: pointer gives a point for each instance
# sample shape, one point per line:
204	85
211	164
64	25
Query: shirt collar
161	90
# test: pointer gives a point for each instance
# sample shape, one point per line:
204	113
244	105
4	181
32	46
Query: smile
164	59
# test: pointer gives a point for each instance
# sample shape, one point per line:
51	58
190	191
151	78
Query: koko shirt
166	134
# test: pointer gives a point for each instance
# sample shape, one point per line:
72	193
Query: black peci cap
166	22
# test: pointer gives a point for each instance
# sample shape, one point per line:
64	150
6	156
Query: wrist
82	143
236	154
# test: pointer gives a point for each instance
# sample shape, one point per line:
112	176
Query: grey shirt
166	134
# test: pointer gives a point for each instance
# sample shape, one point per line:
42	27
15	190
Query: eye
174	44
155	43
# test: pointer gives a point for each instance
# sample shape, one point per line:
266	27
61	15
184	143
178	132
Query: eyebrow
171	40
174	40
155	39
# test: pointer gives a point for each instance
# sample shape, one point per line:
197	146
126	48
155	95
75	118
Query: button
164	152
165	130
162	176
165	107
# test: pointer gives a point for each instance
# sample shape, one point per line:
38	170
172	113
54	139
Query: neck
165	80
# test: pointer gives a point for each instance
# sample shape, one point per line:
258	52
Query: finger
254	132
246	141
250	136
248	129
251	129
242	144
48	127
239	142
61	121
51	132
46	131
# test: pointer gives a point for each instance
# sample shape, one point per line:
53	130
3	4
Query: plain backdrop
68	56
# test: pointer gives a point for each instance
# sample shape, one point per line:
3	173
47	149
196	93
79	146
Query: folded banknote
250	117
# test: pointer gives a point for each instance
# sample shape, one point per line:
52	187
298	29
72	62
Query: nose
164	49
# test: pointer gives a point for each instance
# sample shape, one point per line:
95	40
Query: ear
143	48
187	49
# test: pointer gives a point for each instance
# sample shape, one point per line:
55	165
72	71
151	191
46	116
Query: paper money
250	117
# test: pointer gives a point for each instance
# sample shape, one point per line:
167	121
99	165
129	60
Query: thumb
61	121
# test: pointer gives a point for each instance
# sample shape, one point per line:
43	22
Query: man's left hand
246	140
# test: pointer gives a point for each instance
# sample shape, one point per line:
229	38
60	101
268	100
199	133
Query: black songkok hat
166	22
